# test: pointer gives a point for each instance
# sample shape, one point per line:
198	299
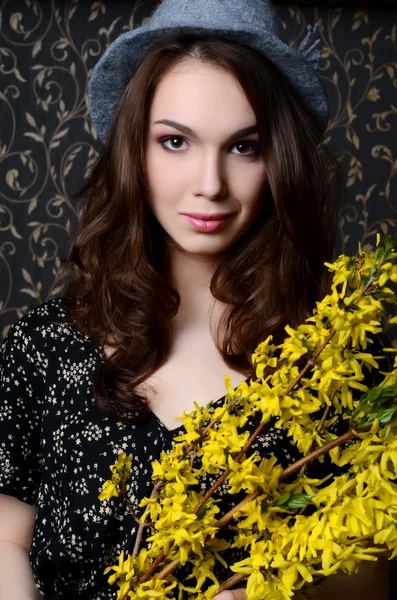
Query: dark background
390	4
48	143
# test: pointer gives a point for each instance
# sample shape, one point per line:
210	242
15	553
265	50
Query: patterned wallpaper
48	143
48	49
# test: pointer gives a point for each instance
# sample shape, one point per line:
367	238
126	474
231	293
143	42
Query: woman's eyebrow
188	131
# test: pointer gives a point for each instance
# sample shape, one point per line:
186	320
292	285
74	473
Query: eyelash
254	154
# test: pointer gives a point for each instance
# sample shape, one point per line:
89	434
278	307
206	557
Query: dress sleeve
21	394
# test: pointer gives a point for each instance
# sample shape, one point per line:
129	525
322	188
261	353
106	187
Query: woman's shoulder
45	329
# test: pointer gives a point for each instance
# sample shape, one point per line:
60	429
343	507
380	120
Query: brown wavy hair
272	275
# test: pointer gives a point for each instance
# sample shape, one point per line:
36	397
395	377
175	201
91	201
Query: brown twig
192	458
237	577
311	361
124	494
342	439
287	472
231	582
143	525
368	285
324	417
363	537
320	427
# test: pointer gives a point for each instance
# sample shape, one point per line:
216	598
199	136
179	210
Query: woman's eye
169	139
255	147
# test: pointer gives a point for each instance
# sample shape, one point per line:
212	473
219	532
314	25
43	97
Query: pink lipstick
207	223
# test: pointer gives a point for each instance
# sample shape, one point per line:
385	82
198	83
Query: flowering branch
225	520
361	501
227	472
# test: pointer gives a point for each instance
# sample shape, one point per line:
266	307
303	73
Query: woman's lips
207	225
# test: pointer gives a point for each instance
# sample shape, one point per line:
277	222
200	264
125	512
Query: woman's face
208	170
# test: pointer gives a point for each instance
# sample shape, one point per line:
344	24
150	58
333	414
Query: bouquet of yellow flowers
294	529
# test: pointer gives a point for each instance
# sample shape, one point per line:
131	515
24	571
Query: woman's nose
212	178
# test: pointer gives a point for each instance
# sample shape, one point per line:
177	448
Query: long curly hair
119	293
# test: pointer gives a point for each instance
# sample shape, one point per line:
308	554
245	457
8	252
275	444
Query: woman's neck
191	276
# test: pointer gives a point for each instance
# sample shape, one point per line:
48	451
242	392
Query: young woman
209	215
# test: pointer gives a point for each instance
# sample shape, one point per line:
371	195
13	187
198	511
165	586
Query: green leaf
386	415
282	500
380	252
299	501
202	511
374	394
376	397
367	419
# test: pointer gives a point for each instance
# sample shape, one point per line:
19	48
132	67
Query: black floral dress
56	448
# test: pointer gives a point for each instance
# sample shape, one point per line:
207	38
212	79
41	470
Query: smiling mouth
208	225
208	217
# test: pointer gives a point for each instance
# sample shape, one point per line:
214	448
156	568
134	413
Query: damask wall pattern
48	49
48	143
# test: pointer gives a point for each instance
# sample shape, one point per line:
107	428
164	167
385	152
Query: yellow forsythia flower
120	473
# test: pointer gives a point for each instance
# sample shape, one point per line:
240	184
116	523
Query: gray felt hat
253	23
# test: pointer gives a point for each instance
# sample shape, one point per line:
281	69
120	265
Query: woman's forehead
199	98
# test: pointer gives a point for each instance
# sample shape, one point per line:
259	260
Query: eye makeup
254	145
